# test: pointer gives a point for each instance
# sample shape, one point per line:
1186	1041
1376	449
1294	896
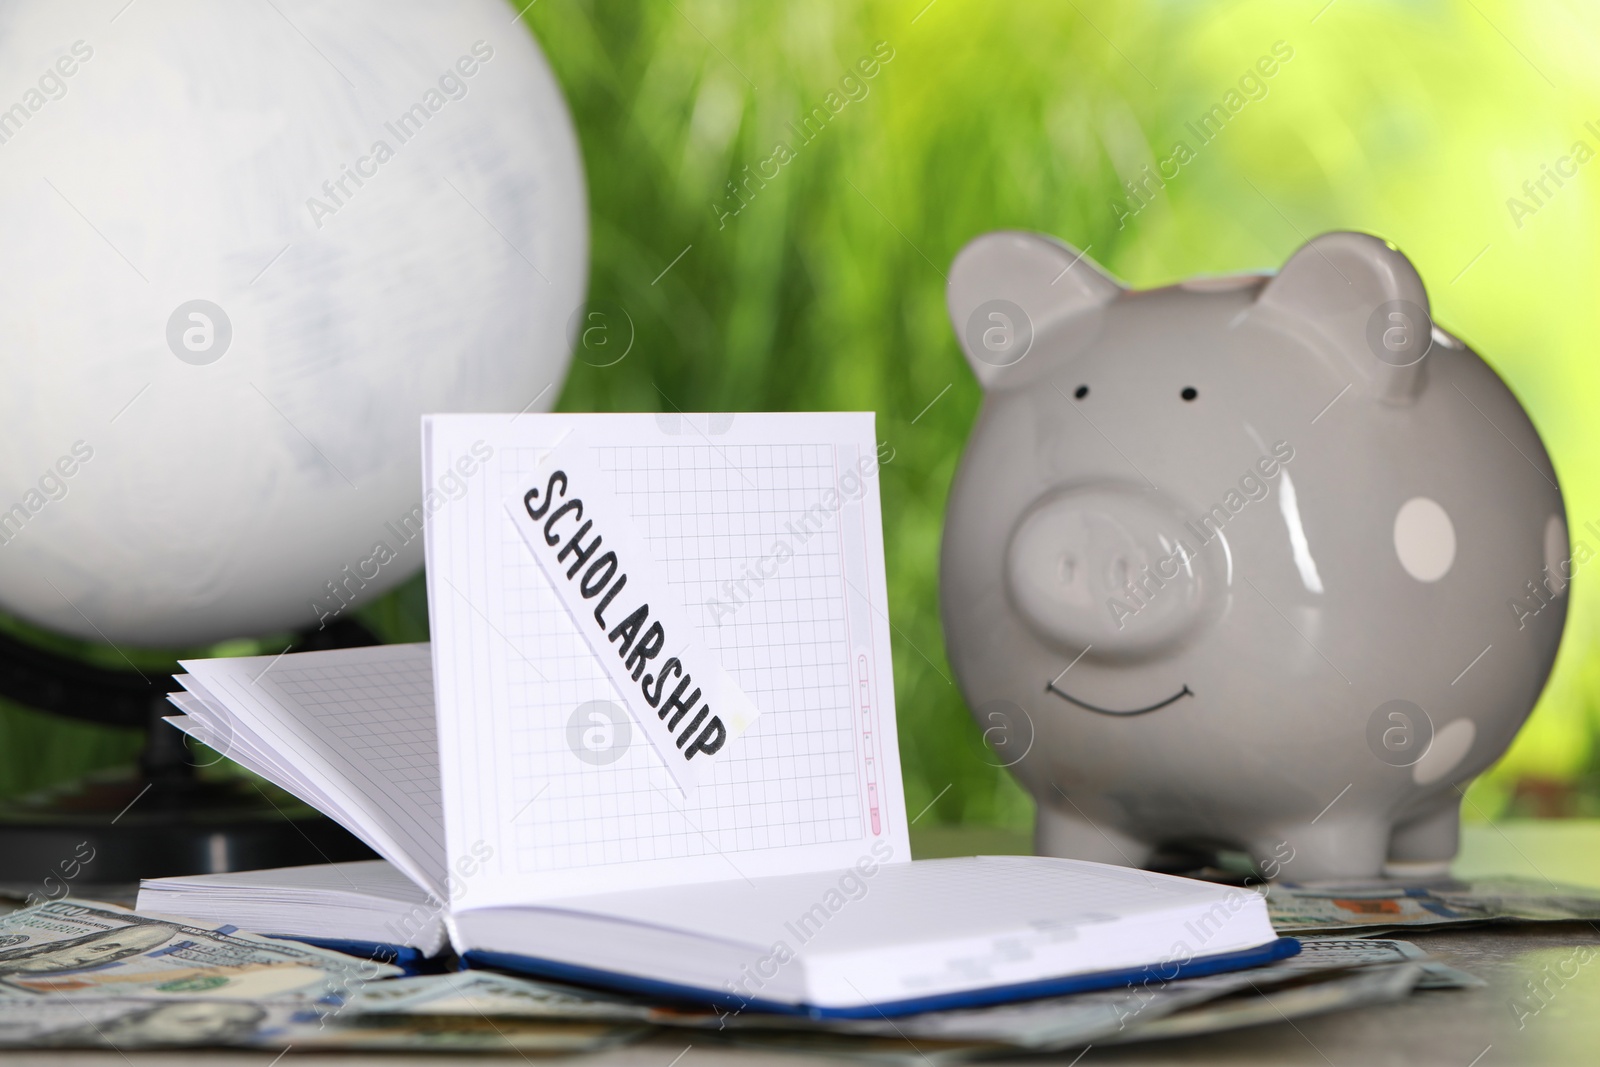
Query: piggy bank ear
1008	288
1362	295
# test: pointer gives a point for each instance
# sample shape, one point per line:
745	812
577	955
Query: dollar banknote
1391	905
128	1023
81	949
483	994
1313	992
451	1033
1047	1022
1082	1018
1343	991
82	974
487	994
1336	953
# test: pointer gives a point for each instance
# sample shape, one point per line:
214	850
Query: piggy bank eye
1424	539
1081	391
1189	392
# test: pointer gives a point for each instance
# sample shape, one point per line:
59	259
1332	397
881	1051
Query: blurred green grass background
1414	119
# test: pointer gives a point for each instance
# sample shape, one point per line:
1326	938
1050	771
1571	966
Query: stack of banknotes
179	984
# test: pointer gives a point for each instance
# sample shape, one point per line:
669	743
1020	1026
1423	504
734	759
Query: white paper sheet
359	727
769	531
596	560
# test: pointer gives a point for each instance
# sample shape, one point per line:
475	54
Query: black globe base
114	829
162	817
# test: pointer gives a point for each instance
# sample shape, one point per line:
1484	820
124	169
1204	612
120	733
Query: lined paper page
529	765
359	725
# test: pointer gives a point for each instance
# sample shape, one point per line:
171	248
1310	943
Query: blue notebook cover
408	959
720	1000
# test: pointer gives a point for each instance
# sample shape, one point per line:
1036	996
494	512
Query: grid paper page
360	726
573	800
214	727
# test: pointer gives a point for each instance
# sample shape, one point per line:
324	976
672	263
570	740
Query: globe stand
158	817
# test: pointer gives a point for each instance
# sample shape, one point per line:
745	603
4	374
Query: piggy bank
1268	563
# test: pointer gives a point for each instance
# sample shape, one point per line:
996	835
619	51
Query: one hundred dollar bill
487	994
81	949
1077	1019
130	1023
1341	991
1312	993
1388	905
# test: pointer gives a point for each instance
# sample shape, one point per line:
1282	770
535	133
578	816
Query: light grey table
1454	1028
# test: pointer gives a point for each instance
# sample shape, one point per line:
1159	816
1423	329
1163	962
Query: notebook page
211	724
874	906
375	878
540	759
359	725
200	722
364	900
881	933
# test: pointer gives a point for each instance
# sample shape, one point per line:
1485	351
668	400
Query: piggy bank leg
1071	836
1423	846
1323	850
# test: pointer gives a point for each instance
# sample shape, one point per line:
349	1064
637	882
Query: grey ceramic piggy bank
1268	563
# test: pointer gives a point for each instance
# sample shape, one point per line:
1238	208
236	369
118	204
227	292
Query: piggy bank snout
1108	569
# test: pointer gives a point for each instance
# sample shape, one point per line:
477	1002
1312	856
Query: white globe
243	248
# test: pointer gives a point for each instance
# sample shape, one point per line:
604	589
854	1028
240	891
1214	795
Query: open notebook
675	771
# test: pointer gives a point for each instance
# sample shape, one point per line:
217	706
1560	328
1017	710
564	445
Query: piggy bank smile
1051	687
1240	550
